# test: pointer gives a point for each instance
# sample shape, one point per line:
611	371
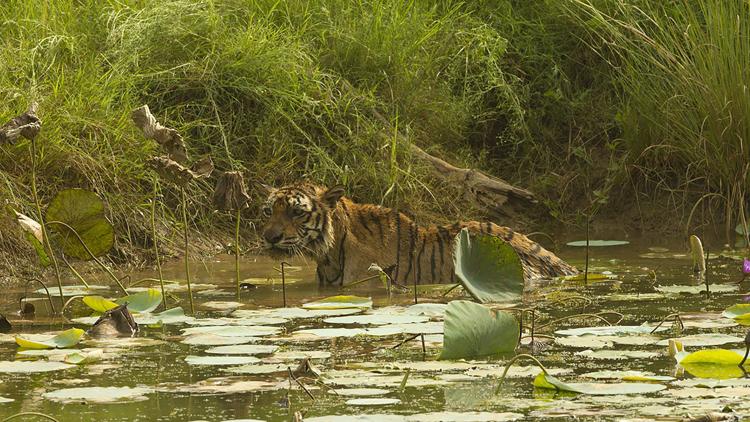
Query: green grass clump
683	69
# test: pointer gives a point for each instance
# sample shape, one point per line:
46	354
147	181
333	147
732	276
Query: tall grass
281	90
683	69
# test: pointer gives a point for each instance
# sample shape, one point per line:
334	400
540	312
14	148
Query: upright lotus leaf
83	211
230	192
5	326
169	139
340	302
32	231
706	356
473	330
98	303
143	302
696	251
488	267
63	340
27	125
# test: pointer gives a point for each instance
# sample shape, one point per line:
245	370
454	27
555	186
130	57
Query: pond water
230	361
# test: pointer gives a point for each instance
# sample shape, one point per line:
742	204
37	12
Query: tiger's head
299	220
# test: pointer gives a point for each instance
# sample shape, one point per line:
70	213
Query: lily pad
243	349
609	330
473	330
741	311
220	360
362	391
98	394
373	402
255	369
488	267
63	340
697	289
377	319
26	367
222	305
627	376
214	340
340	302
617	354
598	243
233	330
83	211
705	339
550	382
588	277
68	291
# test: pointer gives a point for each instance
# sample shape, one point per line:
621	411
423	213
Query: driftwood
491	194
26	125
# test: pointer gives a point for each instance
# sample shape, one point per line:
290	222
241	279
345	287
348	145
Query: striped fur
345	238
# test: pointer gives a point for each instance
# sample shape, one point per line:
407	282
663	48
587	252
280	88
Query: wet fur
345	238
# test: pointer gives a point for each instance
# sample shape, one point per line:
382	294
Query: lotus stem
454	287
155	237
49	296
41	415
676	317
403	381
74	271
565	318
65	306
237	250
354	283
291	376
408	339
38	204
586	268
512	361
91	254
747	350
283	281
187	250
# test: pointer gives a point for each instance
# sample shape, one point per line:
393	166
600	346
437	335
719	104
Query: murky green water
172	389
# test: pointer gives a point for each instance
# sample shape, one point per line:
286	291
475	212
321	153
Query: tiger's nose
273	235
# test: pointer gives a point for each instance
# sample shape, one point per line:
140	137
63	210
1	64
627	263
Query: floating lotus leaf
83	211
65	339
220	360
361	391
243	349
68	291
589	277
372	402
233	331
627	376
704	339
488	267
25	367
598	243
377	319
549	382
697	289
255	369
339	302
740	312
473	330
609	330
214	340
98	394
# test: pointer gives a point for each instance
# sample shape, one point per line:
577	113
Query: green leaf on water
65	339
340	302
589	277
598	243
488	267
473	330
142	301
598	389
83	211
741	311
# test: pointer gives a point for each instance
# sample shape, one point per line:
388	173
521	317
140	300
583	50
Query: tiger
345	238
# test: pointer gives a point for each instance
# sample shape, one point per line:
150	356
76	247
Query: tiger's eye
267	211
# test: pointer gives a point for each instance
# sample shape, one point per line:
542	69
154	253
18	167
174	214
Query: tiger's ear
332	196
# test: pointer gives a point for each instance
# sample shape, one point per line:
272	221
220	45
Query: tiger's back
346	238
